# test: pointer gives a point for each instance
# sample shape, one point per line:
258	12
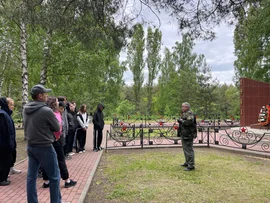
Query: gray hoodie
39	124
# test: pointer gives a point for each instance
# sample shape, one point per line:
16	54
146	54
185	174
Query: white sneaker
14	171
80	152
83	151
71	153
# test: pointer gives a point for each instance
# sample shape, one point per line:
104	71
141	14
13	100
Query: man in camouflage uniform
187	131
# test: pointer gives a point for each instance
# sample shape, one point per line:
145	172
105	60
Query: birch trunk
24	63
46	52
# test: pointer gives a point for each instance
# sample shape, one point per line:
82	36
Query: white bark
24	63
44	68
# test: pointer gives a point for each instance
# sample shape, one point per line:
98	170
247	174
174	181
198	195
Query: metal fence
146	133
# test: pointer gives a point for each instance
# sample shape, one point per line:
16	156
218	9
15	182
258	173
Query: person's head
7	104
100	107
62	99
71	106
185	107
61	106
39	93
10	103
52	102
83	108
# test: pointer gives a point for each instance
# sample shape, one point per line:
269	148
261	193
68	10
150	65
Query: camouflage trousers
188	152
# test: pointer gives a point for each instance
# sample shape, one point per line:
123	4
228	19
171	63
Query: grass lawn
155	175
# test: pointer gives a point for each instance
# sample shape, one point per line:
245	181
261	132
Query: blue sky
219	53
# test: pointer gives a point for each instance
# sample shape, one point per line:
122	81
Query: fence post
141	137
208	136
106	146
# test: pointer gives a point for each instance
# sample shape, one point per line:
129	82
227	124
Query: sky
219	53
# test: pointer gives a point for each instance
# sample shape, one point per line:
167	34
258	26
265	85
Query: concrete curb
89	180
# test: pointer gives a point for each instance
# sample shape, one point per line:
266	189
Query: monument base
259	126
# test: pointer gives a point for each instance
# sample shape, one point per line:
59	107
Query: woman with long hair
53	103
83	120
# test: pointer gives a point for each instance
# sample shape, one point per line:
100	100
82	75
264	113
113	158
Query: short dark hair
62	98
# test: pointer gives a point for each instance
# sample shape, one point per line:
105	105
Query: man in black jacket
98	127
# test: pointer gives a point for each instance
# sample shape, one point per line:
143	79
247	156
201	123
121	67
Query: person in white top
83	120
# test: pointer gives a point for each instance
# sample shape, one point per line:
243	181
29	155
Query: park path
81	168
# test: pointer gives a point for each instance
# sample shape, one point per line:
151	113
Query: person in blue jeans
39	125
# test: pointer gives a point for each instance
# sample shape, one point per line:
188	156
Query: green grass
155	176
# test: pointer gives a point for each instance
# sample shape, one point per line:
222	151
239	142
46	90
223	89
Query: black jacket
72	121
98	119
7	128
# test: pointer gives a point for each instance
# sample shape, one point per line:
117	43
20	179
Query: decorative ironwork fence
147	132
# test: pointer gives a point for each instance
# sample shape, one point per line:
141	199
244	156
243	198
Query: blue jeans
46	157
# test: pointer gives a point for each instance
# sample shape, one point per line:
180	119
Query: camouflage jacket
188	127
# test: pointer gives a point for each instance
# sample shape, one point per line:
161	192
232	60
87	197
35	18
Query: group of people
53	129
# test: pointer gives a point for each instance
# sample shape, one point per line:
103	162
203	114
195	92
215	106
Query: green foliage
125	108
185	77
251	40
135	62
153	46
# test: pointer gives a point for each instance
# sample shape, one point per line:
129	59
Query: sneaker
100	148
70	184
80	152
95	150
14	171
83	151
5	183
45	185
68	157
71	153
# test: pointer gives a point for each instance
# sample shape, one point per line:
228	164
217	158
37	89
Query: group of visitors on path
53	129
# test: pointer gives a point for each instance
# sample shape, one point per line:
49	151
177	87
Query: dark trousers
70	140
188	152
61	163
97	138
81	137
5	163
14	155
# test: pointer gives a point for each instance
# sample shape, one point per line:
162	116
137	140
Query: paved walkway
81	168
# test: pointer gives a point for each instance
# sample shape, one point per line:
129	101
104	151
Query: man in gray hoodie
39	125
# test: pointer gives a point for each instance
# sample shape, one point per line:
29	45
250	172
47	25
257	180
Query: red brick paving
81	168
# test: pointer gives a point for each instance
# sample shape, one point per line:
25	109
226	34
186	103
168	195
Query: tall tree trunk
24	63
46	52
